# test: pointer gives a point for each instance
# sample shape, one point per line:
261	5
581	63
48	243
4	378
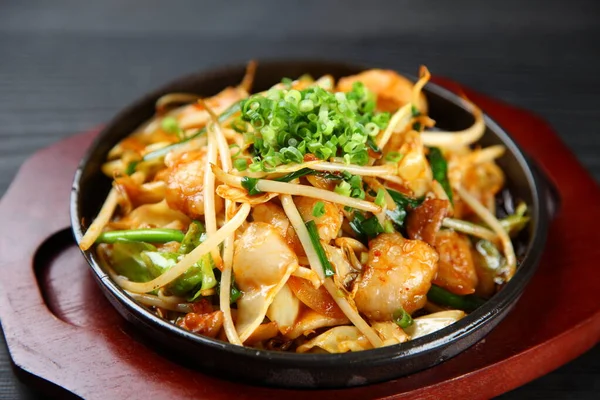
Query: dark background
66	66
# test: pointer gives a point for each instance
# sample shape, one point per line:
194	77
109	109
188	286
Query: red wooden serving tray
60	329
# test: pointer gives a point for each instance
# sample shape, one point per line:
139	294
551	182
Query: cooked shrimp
398	274
456	271
413	167
392	90
184	177
425	221
273	214
328	224
203	324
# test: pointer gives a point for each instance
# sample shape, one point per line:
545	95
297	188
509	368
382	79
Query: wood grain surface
69	65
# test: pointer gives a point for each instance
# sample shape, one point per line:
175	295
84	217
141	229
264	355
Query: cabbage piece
262	264
310	321
284	309
340	339
127	260
433	322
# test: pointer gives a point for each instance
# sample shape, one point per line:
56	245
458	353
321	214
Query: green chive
151	235
313	233
131	167
294	175
443	297
250	185
439	169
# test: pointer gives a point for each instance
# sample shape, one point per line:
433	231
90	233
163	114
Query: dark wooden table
66	66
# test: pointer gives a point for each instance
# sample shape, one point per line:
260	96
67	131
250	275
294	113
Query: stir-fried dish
316	216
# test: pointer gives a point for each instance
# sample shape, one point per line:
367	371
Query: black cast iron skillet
90	188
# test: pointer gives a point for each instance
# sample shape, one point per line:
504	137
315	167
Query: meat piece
425	221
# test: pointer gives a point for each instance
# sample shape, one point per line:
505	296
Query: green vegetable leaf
403	205
170	125
127	260
234	292
192	238
365	228
439	168
393	156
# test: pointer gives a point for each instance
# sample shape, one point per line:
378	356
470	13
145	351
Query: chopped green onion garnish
371	227
170	125
237	149
318	209
393	156
192	238
402	318
343	188
366	229
284	125
403	204
372	145
241	164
